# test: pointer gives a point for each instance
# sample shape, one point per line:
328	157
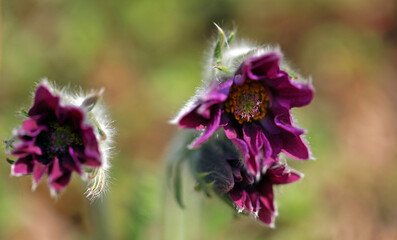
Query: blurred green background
148	55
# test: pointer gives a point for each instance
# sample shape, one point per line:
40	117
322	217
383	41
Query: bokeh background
148	55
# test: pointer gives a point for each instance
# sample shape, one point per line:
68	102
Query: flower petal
92	156
290	94
280	174
284	121
231	133
44	101
252	135
38	171
22	166
212	126
71	162
266	216
238	197
265	66
294	146
192	119
59	176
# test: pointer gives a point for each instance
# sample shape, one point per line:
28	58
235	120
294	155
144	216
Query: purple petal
290	94
253	164
267	196
70	115
284	121
61	182
22	166
219	93
56	171
31	128
248	203
254	196
252	135
282	175
44	101
238	79
266	216
200	114
231	133
294	146
38	171
71	162
192	119
212	126
59	176
92	156
25	149
265	66
238	197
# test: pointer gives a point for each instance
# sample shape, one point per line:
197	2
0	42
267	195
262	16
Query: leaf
24	113
230	38
9	143
219	44
10	161
178	184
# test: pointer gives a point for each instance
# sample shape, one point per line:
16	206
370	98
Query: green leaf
230	38
219	44
24	113
178	184
9	143
10	161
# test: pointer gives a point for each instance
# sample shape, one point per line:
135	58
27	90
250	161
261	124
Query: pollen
247	102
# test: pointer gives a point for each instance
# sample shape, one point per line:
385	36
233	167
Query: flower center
247	102
58	140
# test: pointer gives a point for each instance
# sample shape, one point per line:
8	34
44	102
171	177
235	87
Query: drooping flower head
250	94
218	166
257	197
63	134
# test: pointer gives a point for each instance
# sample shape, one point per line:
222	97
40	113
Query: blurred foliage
148	55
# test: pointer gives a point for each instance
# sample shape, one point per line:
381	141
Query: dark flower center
57	140
247	102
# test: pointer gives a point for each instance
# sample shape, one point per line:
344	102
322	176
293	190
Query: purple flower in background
257	197
57	139
253	106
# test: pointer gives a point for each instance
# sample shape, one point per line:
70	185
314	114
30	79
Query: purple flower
257	197
55	140
253	106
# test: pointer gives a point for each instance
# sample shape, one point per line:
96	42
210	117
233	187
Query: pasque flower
256	196
250	94
63	134
218	166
